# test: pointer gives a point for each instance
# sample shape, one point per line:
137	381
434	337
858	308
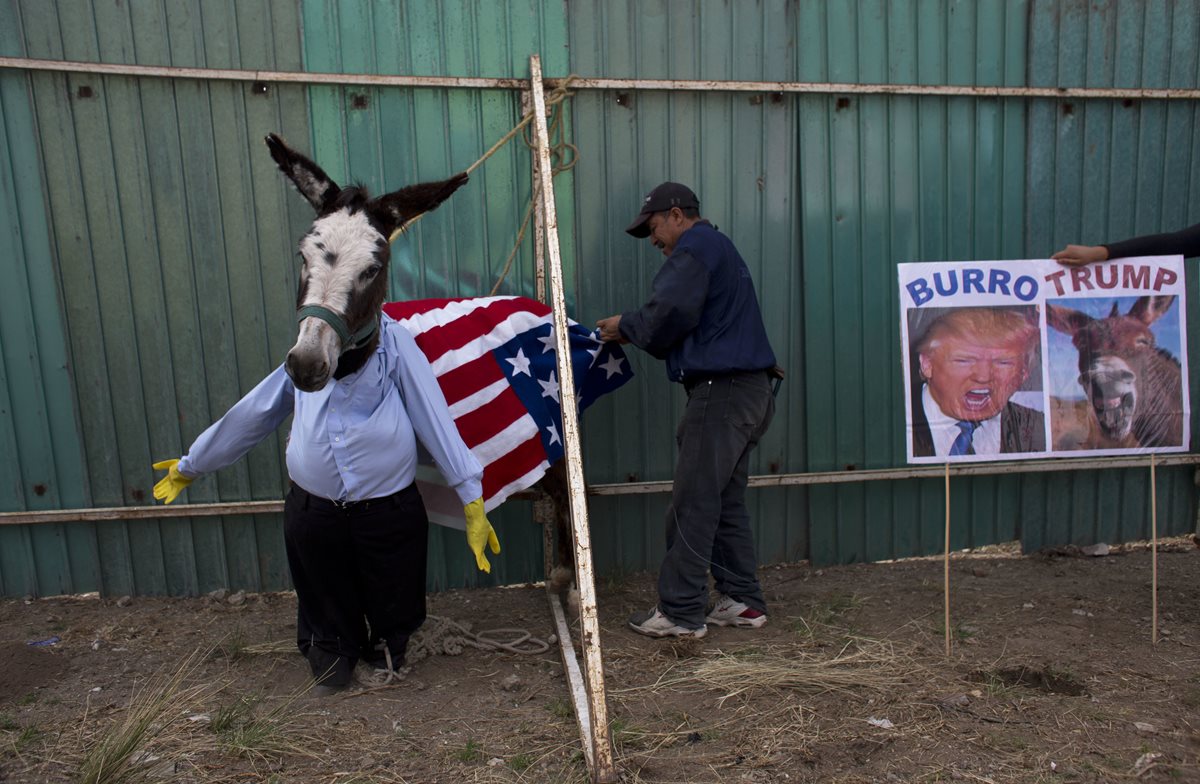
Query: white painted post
603	769
539	269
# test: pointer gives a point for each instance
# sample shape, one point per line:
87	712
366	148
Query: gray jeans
707	522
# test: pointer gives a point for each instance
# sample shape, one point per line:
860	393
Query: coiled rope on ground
439	636
449	637
444	636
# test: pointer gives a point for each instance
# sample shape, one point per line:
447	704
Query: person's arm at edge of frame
1185	242
227	440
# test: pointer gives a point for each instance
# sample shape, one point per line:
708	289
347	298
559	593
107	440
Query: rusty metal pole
603	769
98	514
588	83
539	271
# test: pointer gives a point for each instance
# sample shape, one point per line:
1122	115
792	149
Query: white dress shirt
356	438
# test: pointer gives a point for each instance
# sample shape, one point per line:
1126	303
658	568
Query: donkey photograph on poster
1129	391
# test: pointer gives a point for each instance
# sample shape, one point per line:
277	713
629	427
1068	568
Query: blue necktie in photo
962	445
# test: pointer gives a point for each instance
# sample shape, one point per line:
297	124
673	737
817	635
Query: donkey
1134	389
345	255
343	284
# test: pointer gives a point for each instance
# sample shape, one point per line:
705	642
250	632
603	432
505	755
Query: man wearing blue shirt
703	318
354	524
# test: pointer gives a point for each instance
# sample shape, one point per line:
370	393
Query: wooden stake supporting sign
601	757
1153	554
946	567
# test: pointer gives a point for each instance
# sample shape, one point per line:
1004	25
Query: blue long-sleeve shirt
356	438
703	316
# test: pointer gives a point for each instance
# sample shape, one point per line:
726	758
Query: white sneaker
654	624
730	612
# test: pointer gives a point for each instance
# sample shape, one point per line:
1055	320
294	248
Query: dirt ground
1052	677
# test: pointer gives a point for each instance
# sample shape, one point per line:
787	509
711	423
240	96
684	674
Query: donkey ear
1150	309
397	208
1066	320
312	182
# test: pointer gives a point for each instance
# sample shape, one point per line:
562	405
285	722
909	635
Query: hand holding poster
1029	359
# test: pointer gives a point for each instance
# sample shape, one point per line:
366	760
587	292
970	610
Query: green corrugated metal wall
888	179
153	205
739	152
151	241
43	467
824	194
173	238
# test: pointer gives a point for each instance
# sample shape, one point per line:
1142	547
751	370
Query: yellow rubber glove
171	485
479	533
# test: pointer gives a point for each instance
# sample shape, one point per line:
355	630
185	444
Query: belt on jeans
327	504
691	383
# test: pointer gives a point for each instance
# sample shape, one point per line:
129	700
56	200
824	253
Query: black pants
708	525
359	573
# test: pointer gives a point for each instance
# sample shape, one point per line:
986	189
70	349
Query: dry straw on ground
861	665
120	751
175	719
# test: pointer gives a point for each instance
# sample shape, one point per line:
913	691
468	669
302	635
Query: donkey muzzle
309	373
314	358
1111	388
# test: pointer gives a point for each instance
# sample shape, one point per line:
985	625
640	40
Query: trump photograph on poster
1015	360
979	385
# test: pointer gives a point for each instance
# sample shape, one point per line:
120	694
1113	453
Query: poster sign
1015	360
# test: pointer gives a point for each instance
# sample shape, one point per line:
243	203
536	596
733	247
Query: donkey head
343	280
1114	355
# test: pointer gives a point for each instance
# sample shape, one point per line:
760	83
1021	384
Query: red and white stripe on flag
493	358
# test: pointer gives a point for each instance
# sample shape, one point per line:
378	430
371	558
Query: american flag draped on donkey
494	360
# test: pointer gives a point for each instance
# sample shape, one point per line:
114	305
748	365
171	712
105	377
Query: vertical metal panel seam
376	96
835	494
153	229
120	529
152	529
122	242
257	524
23	537
226	539
90	538
10	151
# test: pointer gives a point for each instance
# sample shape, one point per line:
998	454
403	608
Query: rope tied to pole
563	157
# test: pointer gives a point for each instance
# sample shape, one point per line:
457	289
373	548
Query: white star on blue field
529	364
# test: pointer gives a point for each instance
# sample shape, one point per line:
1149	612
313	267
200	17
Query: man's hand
171	485
609	329
1079	255
479	533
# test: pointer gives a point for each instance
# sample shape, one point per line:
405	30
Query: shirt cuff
469	490
184	467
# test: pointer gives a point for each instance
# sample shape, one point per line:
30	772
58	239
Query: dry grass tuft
860	665
245	728
122	752
266	648
164	729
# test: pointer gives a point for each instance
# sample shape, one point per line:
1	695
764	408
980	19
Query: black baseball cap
661	199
